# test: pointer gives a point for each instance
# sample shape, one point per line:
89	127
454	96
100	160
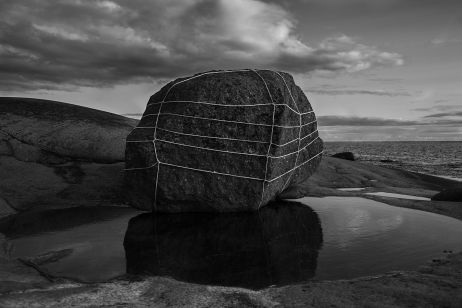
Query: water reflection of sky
321	238
365	237
349	220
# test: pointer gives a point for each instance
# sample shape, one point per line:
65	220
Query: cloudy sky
372	69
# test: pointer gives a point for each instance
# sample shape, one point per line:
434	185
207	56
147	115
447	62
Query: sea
440	158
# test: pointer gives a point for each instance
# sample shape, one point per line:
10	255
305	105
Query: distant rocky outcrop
453	194
53	132
221	141
55	154
345	155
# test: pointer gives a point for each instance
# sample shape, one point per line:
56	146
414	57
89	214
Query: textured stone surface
55	155
45	131
276	246
30	185
233	168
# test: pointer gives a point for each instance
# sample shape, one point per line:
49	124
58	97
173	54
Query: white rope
211	137
141	168
214	172
231	152
271	139
225	105
290	93
284	144
200	75
155	187
158	162
309	135
242	176
157	158
209	149
295	152
220	138
140	141
299	130
221	120
157	120
295	168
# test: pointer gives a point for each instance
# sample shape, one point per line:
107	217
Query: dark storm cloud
366	121
444	115
439	107
69	43
358	92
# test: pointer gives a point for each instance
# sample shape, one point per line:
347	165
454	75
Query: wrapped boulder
221	141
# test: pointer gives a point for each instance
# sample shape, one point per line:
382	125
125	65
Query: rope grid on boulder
265	180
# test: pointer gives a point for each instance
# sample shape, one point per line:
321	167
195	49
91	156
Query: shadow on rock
36	222
276	246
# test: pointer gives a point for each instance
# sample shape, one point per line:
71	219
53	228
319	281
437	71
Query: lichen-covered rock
221	141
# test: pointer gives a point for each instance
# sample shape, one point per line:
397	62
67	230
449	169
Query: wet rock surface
276	246
31	185
221	141
453	194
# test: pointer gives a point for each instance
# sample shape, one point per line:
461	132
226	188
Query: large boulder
221	141
46	131
278	245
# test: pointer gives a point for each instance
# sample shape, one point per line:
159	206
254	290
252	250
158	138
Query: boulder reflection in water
277	245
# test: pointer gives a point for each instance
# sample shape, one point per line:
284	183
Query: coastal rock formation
50	132
55	154
276	246
221	141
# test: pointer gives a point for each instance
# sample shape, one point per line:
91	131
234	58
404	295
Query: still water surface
288	242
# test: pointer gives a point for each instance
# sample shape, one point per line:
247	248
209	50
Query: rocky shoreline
56	155
34	182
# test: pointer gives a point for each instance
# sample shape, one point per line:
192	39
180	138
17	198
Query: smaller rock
449	194
345	155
